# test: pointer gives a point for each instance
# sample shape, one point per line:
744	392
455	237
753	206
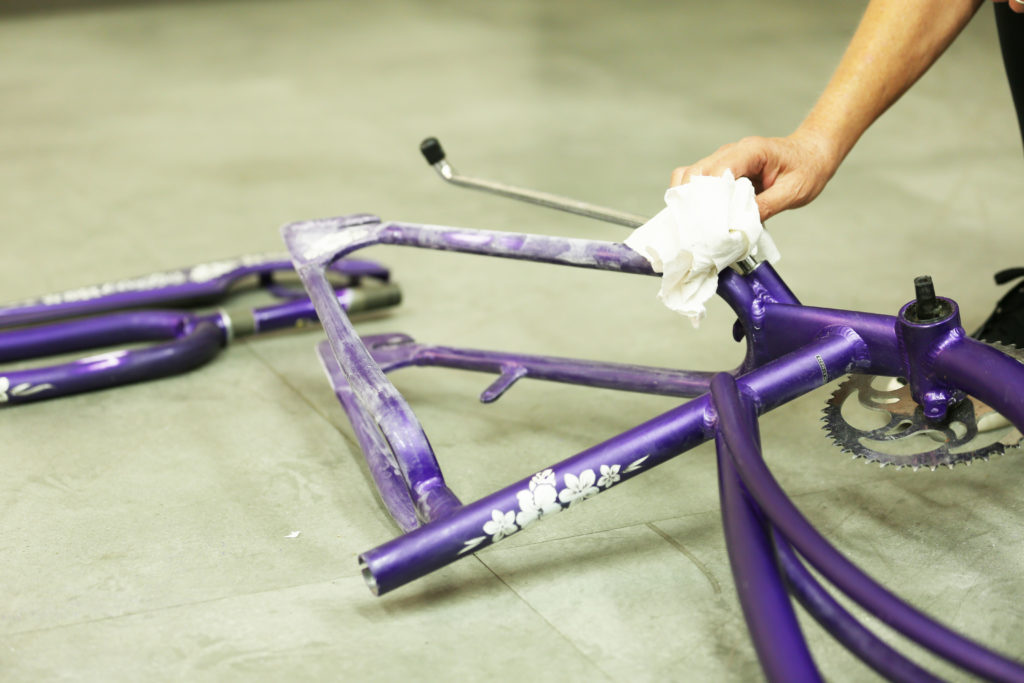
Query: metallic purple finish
383	466
920	343
434	545
769	285
189	340
985	373
320	242
316	244
195	285
392	352
90	333
540	248
819	362
845	576
770	618
404	442
789	327
195	342
842	625
791	349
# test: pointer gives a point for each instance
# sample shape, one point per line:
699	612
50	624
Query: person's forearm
895	43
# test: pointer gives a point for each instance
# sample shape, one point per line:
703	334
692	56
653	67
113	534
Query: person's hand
786	172
1015	5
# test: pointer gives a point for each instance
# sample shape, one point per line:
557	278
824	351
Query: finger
772	201
1015	6
698	169
744	161
715	165
685	174
747	158
677	176
764	207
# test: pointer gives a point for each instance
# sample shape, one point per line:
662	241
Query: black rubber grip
1004	276
369	298
432	151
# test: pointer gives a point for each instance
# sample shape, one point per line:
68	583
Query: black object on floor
1006	323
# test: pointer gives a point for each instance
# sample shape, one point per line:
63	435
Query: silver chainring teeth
876	418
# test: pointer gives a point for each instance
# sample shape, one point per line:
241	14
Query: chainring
884	425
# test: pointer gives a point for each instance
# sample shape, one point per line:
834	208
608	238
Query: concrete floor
145	530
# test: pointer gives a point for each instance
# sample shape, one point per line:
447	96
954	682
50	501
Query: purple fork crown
790	349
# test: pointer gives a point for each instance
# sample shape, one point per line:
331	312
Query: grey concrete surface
144	530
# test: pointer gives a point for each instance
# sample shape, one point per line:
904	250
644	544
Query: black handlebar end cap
432	151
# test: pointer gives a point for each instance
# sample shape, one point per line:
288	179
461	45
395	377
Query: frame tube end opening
368	577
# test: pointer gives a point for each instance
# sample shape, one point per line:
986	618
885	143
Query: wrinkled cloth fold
707	225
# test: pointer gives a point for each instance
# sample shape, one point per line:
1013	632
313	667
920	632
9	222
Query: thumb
770	202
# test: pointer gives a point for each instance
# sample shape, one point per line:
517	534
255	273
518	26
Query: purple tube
864	644
91	333
380	458
321	242
499	515
393	352
781	512
490	519
383	404
190	340
770	284
790	327
772	624
819	362
520	246
396	351
197	345
985	373
195	285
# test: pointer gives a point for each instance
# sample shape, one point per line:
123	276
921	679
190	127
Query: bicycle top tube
195	285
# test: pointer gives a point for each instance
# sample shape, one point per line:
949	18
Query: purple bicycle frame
791	349
105	315
199	284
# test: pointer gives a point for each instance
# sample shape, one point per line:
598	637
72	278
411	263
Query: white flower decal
544	478
578	488
635	465
502	524
541	499
472	544
23	389
609	476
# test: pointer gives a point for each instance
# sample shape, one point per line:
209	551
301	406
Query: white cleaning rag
707	225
